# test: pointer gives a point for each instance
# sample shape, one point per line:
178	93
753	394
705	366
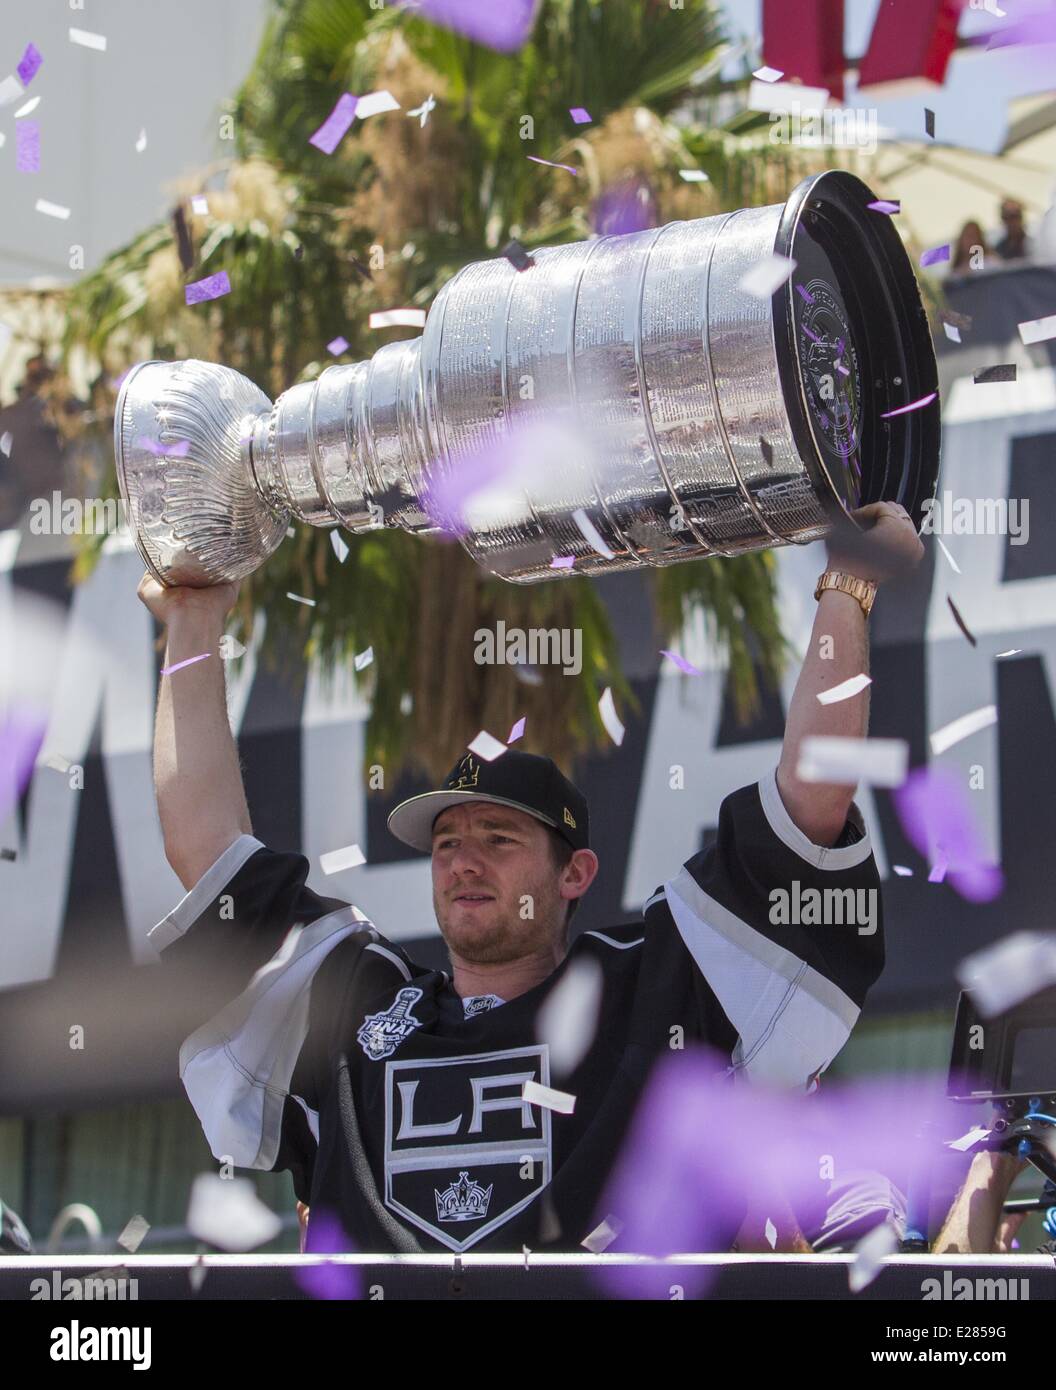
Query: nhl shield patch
380	1034
464	1153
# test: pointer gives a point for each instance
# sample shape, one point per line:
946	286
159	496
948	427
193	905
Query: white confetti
770	1231
200	205
338	859
297	599
902	871
1012	651
131	1238
56	761
853	686
1015	968
1037	330
230	647
765	74
51	209
869	1256
962	728
953	562
694	175
486	747
966	1141
31	105
6	440
406	702
374	103
878	762
601	1237
290	532
340	548
10	90
196	1274
141	143
610	718
227	1212
767	276
398	318
363	659
952	332
569	1018
88	40
785	96
547	1098
591	534
429	104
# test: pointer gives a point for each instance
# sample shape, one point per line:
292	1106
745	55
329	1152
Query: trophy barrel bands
182	449
683	416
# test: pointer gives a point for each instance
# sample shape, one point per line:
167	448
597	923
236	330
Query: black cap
526	781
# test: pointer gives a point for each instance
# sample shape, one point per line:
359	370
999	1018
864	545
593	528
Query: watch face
830	367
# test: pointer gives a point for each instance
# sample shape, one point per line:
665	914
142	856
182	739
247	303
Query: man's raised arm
839	649
197	781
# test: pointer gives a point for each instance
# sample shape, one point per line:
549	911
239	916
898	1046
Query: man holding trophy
427	1110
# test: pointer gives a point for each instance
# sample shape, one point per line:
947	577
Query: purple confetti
562	562
29	64
21	734
517	731
337	346
332	131
326	1236
178	450
689	1171
212	287
580	116
937	817
841	368
27	156
805	294
625	207
681	663
936	254
938	870
504	26
517	256
882	205
536	160
913	405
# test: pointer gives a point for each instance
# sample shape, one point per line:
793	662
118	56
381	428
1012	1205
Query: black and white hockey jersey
399	1108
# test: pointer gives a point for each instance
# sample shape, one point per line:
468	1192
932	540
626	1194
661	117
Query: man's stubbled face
487	859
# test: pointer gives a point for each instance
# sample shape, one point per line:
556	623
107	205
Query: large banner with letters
88	877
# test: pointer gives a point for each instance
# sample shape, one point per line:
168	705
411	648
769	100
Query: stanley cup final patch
464	1151
380	1034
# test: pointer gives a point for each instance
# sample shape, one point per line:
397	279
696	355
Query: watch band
864	590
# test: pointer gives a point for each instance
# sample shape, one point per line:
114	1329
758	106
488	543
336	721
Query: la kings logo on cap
468	774
380	1034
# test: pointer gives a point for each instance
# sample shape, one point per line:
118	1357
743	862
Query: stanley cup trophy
720	422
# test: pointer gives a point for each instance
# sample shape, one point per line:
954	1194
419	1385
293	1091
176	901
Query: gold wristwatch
864	590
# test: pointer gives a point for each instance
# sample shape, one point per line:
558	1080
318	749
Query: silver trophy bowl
713	422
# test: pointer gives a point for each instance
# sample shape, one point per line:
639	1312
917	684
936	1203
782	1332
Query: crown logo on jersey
570	818
468	773
463	1200
380	1034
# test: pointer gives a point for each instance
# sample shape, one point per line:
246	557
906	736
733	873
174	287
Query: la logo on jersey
380	1034
464	1152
